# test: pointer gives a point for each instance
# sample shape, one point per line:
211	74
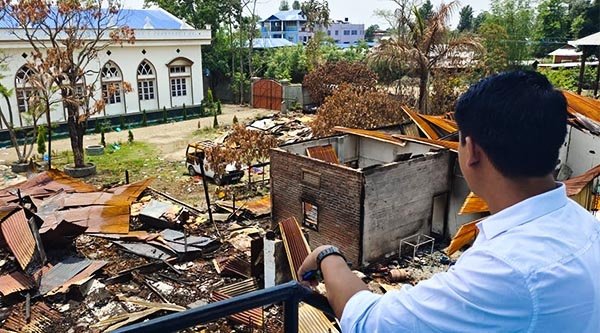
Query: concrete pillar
277	269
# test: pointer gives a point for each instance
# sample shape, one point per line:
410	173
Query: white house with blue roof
288	24
163	66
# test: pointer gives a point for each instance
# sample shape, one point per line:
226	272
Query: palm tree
420	45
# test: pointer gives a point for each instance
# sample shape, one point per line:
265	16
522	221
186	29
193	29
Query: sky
357	11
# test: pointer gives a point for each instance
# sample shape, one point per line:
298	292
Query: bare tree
66	37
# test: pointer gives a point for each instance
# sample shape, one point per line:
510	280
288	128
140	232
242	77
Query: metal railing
290	294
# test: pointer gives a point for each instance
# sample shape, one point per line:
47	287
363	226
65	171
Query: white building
163	66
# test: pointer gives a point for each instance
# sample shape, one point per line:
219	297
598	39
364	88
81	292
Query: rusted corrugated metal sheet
448	126
45	184
62	272
15	282
256	207
429	132
98	212
295	244
465	234
42	319
324	153
473	204
585	106
236	266
398	139
20	238
576	184
80	277
311	320
253	317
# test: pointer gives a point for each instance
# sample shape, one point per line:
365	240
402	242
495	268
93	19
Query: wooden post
584	56
597	72
207	196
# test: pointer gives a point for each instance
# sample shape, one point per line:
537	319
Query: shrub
41	140
165	118
215	121
144	119
184	112
323	81
219	111
122	122
357	108
235	120
129	136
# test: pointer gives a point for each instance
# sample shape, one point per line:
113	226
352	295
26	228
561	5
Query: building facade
291	25
163	67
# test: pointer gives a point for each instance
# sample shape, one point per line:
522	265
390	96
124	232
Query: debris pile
287	128
74	258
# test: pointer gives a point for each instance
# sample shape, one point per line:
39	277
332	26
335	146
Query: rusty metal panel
295	244
147	250
253	317
324	153
577	104
15	282
256	207
46	183
311	320
473	204
80	277
20	238
448	126
61	273
42	319
429	132
97	219
576	184
465	234
236	266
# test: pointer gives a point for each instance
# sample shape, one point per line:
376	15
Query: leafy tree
284	5
516	17
479	20
552	26
296	5
494	39
322	82
64	46
370	32
350	106
317	15
420	45
466	19
285	63
588	21
426	10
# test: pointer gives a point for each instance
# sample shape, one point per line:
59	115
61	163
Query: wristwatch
332	250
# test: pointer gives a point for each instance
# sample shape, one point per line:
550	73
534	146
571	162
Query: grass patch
208	133
141	159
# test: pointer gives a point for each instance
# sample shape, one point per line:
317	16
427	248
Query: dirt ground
171	138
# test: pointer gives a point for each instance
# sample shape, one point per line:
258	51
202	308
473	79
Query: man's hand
310	264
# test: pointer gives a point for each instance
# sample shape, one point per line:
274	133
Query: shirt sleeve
481	293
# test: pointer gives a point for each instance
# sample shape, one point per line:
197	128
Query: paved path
171	139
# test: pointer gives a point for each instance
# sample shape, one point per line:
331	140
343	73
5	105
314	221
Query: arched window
112	83
146	80
23	88
180	72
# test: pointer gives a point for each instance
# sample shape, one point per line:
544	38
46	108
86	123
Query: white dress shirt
534	267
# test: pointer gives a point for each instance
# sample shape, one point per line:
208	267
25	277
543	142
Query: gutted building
364	191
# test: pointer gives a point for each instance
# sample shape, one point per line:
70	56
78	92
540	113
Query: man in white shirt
535	264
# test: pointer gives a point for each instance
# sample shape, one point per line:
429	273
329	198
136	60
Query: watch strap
332	250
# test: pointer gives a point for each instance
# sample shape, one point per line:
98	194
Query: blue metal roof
287	15
134	18
268	43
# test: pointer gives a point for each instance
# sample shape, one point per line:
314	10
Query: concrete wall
345	146
457	196
128	57
582	151
373	152
398	201
337	196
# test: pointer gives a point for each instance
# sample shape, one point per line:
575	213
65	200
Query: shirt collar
523	212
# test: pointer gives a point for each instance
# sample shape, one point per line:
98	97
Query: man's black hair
518	119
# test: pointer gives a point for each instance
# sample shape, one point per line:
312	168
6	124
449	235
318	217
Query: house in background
164	67
364	191
291	25
287	24
566	53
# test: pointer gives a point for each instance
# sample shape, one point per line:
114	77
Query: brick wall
399	200
338	198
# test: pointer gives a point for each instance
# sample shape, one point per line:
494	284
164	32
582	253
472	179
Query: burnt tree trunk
76	131
424	91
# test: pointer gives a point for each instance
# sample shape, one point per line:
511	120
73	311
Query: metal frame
290	293
416	241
